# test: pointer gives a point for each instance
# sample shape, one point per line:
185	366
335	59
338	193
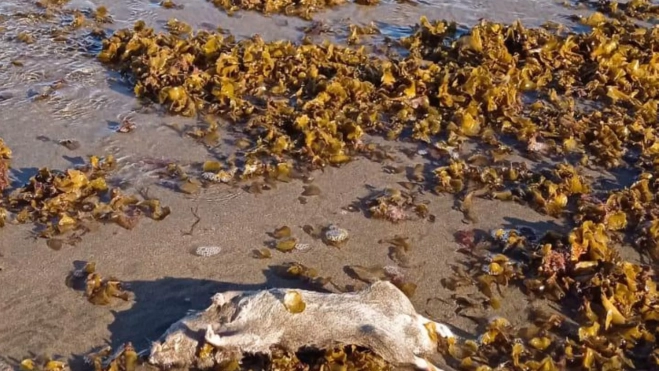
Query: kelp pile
585	99
476	87
339	358
616	300
302	9
63	205
634	9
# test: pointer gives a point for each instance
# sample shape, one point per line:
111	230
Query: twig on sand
197	220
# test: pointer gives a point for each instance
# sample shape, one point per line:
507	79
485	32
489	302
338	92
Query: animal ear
221	298
218	299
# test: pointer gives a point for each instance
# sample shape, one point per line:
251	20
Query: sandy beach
40	315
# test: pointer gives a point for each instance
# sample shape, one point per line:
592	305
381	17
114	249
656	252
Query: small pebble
221	177
211	177
336	234
302	246
207	251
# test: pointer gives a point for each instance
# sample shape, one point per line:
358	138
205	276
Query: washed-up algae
584	99
302	9
63	205
315	102
643	10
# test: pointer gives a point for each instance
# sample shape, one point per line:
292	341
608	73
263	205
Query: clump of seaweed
65	203
643	10
395	206
125	358
5	157
169	4
303	10
51	3
43	364
99	291
307	275
348	357
25	37
51	20
284	242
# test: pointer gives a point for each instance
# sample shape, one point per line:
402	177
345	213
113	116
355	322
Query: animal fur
380	318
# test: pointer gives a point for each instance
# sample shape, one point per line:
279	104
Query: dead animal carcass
239	323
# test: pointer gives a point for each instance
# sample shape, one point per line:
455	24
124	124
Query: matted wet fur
380	318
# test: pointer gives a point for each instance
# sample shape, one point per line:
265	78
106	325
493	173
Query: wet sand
39	314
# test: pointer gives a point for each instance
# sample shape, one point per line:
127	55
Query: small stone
334	234
302	247
207	251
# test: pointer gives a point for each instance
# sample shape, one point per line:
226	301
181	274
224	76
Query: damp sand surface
39	314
